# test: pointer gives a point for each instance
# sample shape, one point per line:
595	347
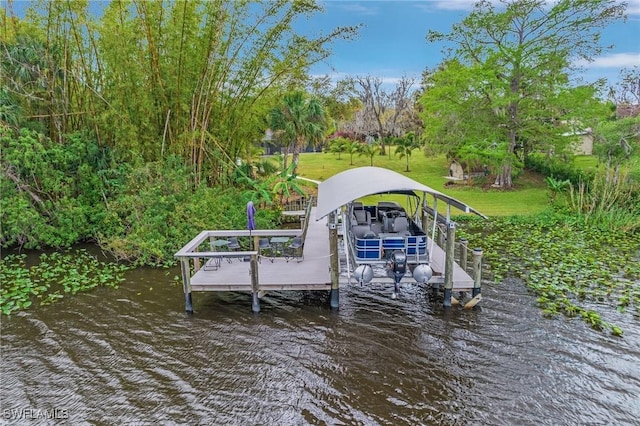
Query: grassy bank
529	197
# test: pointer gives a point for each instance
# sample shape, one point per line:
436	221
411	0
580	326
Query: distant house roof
579	132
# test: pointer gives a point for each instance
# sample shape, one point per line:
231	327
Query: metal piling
448	263
477	270
334	262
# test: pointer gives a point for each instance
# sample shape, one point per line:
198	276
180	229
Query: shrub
558	169
51	192
158	212
609	200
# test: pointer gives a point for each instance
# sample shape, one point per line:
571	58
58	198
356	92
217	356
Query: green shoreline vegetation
137	128
569	262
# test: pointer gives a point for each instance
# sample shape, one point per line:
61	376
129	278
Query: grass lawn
586	162
529	197
590	163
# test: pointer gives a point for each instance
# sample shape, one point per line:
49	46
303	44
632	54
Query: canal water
132	356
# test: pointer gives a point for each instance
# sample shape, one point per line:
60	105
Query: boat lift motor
398	268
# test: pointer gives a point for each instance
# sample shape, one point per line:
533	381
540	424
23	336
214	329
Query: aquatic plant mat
577	269
55	275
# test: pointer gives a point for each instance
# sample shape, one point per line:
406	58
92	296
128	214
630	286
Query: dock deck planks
310	274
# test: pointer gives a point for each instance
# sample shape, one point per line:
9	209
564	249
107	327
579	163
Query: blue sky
392	42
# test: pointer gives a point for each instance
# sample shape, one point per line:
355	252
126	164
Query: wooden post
425	218
334	262
255	286
441	237
186	284
196	261
463	253
477	271
448	263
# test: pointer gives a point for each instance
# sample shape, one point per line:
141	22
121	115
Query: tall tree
300	119
193	78
340	103
381	109
615	141
375	102
515	57
401	103
51	66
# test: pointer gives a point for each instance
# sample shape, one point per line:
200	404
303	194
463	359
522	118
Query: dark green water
132	356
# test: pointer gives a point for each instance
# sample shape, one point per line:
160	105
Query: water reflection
132	356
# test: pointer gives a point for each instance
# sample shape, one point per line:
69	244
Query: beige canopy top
352	184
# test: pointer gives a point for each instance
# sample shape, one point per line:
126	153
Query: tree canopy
151	79
299	119
505	82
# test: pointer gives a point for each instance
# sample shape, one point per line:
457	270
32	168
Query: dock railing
202	248
445	238
194	248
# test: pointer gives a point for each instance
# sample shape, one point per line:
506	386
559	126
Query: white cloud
359	9
615	60
334	76
454	4
387	82
633	6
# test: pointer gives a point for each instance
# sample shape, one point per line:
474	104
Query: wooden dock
208	266
234	273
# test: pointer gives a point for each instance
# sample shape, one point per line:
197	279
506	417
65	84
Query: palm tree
370	150
23	65
9	109
405	147
353	147
300	119
338	146
556	186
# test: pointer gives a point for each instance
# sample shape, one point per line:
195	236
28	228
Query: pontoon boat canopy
352	184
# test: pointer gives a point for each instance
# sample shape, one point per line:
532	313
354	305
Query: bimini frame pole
435	225
347	249
424	219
